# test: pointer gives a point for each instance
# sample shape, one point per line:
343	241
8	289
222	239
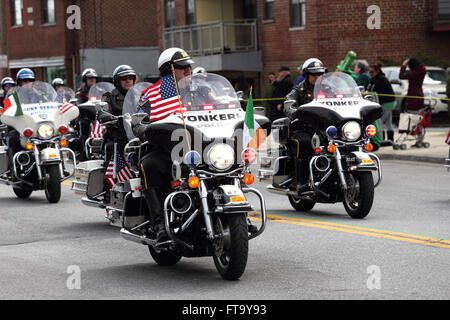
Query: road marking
435	242
67	183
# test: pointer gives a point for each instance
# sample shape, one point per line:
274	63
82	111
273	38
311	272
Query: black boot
154	199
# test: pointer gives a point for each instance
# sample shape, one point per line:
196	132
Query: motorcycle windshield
37	93
65	94
207	92
97	91
130	105
336	85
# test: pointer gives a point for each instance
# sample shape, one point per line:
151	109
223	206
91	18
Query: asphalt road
399	251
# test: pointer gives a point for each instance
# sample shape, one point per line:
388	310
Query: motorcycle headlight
351	131
221	156
45	131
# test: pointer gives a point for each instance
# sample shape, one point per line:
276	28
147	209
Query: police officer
302	94
7	84
124	78
90	78
57	84
156	165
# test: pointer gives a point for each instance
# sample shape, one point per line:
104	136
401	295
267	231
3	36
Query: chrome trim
263	211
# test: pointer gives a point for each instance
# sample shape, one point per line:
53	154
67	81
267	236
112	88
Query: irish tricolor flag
254	135
12	106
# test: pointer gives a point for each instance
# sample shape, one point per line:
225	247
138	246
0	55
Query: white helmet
312	66
57	82
89	73
199	70
175	56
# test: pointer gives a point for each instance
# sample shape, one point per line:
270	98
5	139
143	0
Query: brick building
290	31
241	39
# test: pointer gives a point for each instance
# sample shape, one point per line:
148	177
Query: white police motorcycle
41	121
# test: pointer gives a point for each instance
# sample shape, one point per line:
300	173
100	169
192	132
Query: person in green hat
346	65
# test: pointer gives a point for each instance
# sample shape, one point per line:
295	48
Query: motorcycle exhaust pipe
180	202
23	159
321	163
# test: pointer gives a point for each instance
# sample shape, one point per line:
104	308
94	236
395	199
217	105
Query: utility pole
3	47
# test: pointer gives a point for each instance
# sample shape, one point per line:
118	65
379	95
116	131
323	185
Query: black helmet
7	80
123	71
89	73
313	66
173	56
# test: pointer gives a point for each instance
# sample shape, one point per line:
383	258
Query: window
269	9
170	13
16	12
249	9
48	11
297	13
190	12
443	10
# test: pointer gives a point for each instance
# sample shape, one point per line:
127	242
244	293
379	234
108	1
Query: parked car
435	80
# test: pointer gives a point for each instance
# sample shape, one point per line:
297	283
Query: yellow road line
67	183
361	231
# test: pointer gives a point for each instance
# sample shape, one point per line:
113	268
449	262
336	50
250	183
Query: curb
406	157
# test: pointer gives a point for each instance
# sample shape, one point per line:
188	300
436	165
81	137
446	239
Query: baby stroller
411	127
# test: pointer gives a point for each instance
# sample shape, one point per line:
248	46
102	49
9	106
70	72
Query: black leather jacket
115	101
302	94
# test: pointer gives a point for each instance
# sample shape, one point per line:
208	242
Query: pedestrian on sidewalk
381	85
283	85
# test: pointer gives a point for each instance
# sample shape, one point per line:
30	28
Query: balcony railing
216	37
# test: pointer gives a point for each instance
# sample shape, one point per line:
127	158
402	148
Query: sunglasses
127	78
9	85
181	67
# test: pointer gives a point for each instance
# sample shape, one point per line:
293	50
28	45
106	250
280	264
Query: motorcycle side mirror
361	88
396	81
260	111
240	94
288	104
369	97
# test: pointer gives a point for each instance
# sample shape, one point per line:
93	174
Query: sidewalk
436	153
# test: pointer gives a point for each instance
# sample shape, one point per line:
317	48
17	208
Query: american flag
97	130
163	98
65	107
117	169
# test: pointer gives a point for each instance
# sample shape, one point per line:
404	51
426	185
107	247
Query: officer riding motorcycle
90	78
7	84
324	153
124	78
157	164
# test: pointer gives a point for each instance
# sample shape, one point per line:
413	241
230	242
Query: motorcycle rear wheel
230	251
301	204
358	199
53	184
22	191
164	257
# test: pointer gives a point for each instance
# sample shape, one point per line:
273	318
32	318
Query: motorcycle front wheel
230	249
358	198
53	184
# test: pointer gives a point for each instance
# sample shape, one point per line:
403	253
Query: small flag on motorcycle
12	106
253	135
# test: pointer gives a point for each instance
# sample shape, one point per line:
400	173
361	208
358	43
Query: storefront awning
36	62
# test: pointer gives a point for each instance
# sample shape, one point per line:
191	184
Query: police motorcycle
91	147
340	168
89	179
42	123
206	214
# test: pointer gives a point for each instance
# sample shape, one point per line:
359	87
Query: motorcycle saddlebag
4	163
280	130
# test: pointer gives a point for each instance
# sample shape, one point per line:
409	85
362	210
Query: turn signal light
193	182
249	179
29	146
332	148
63	143
369	147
